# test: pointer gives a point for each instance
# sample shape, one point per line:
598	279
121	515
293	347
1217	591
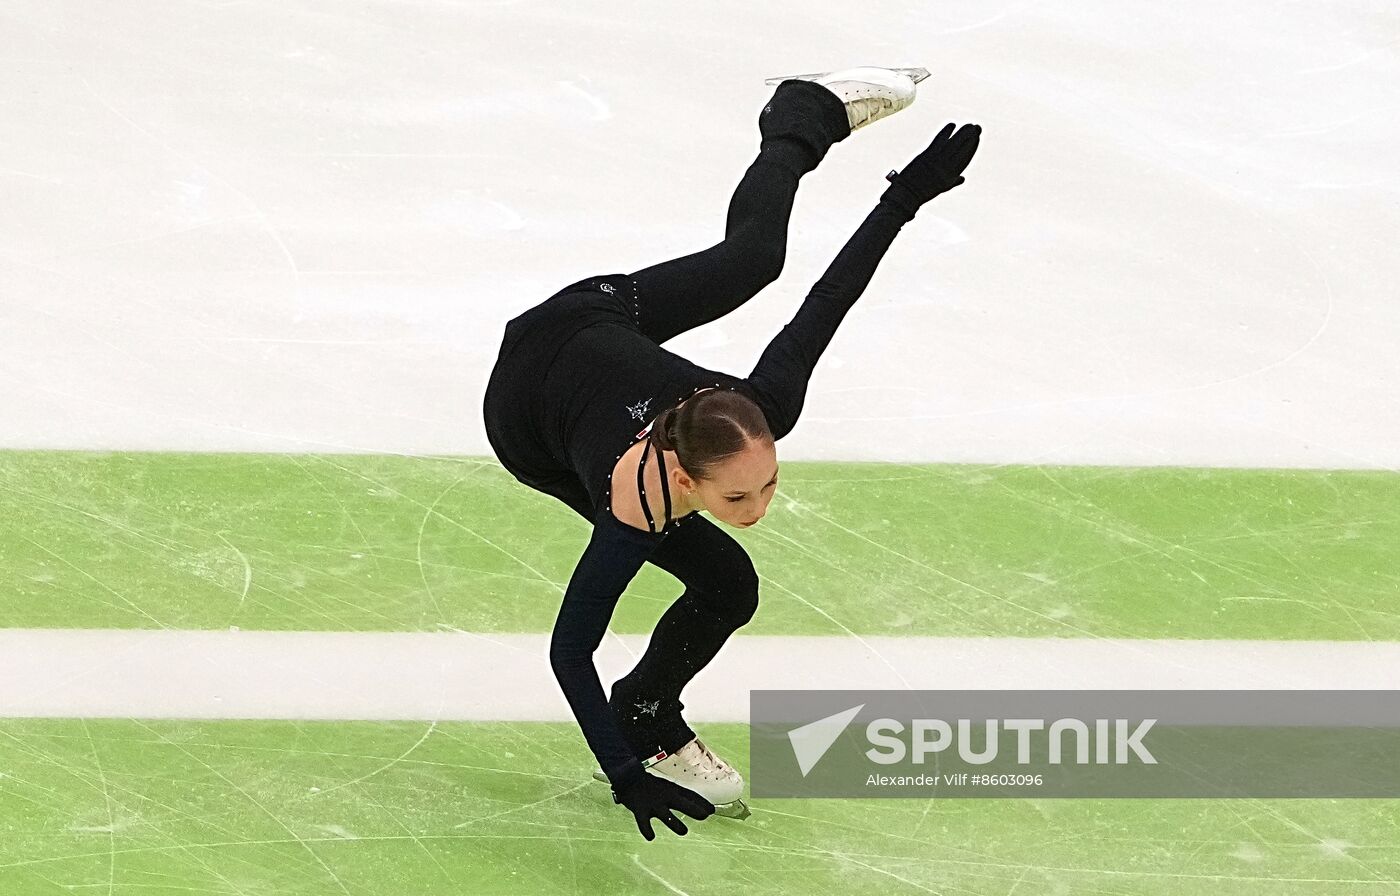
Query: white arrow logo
811	741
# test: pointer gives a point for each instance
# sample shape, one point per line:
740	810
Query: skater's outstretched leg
798	125
801	122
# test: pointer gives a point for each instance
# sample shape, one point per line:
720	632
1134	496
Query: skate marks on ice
254	807
373	543
1278	136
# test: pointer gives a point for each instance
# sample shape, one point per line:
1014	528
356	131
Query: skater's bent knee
743	607
741	597
768	263
754	259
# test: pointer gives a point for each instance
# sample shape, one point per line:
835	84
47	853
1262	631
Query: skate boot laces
870	94
698	755
861	112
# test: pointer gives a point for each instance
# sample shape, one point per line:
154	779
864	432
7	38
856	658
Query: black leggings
721	594
721	586
683	293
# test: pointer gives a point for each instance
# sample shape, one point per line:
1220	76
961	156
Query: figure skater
585	405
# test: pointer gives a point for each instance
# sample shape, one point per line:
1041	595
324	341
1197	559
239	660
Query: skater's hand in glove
649	796
937	169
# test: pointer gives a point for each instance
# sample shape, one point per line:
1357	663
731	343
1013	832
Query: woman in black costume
583	404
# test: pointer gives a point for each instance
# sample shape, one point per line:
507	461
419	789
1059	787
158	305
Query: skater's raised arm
779	380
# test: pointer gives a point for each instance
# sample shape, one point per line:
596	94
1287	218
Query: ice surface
300	226
462	676
234	226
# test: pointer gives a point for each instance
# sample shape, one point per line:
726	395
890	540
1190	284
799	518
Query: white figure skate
870	93
696	767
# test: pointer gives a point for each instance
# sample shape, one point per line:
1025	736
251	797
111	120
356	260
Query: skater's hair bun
709	427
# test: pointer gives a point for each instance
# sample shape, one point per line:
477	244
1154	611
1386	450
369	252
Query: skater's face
740	488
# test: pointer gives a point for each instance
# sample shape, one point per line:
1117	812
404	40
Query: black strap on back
665	487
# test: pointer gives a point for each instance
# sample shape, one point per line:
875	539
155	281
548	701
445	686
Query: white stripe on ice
459	675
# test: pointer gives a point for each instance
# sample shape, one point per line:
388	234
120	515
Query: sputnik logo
811	741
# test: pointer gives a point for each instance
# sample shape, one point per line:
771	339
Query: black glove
649	796
937	169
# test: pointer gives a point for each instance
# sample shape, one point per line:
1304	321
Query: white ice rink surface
300	226
467	676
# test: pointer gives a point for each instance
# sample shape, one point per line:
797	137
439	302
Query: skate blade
914	74
737	809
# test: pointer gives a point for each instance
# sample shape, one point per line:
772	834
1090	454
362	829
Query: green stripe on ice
365	809
365	543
